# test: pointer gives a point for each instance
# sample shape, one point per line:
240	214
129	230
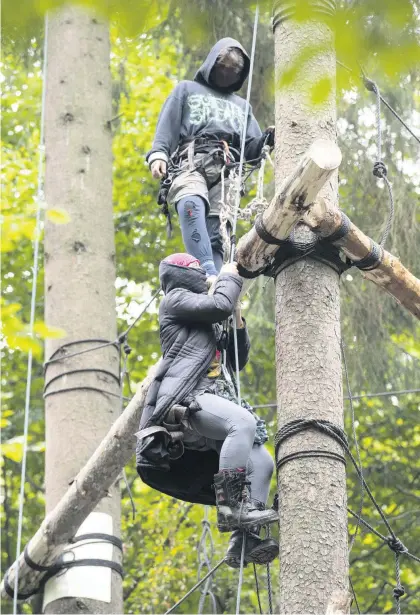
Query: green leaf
58	215
13	449
48	332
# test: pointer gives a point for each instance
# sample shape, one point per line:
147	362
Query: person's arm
255	139
168	128
186	306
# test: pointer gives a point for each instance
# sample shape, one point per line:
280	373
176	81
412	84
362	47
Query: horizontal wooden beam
390	274
295	196
86	491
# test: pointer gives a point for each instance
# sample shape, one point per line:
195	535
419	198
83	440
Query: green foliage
382	341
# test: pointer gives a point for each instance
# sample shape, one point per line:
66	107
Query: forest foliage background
153	47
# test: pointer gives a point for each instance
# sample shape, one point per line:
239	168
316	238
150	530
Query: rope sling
228	195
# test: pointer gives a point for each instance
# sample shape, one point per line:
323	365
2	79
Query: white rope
227	205
205	557
241	574
238	193
40	200
245	127
259	203
224	213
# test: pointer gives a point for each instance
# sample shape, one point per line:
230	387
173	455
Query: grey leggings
201	234
229	429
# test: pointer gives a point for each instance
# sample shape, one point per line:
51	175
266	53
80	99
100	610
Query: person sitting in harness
198	136
195	442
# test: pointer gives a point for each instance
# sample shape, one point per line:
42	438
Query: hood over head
203	73
173	275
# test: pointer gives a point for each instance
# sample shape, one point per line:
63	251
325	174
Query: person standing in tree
196	443
199	130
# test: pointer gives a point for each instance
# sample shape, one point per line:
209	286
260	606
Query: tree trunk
79	286
312	491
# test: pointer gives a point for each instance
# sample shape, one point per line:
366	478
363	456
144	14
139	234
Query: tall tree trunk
312	491
79	281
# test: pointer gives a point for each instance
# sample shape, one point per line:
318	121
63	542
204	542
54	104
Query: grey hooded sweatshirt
197	109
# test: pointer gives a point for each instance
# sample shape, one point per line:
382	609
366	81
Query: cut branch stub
390	274
290	203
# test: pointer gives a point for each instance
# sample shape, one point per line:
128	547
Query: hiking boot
257	550
234	509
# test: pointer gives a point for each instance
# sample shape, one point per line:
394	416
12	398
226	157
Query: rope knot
370	85
398	592
396	545
379	169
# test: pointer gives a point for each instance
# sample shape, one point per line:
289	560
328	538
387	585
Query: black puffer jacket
188	319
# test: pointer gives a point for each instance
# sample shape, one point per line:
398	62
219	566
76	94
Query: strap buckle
222	343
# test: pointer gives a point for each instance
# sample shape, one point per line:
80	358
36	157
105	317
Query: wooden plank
293	199
390	274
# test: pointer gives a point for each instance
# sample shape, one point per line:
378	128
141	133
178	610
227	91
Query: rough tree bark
312	492
80	265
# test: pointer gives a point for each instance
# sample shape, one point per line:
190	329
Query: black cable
127	331
257	587
196	586
379	168
413	557
105	344
386	103
356	444
78	371
354	595
84	388
392	542
378	595
121	339
335	432
123	374
400	119
310	453
385	394
368	526
357	397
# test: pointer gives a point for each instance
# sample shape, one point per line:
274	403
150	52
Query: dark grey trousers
224	426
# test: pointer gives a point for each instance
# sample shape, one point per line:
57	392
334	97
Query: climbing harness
212	148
